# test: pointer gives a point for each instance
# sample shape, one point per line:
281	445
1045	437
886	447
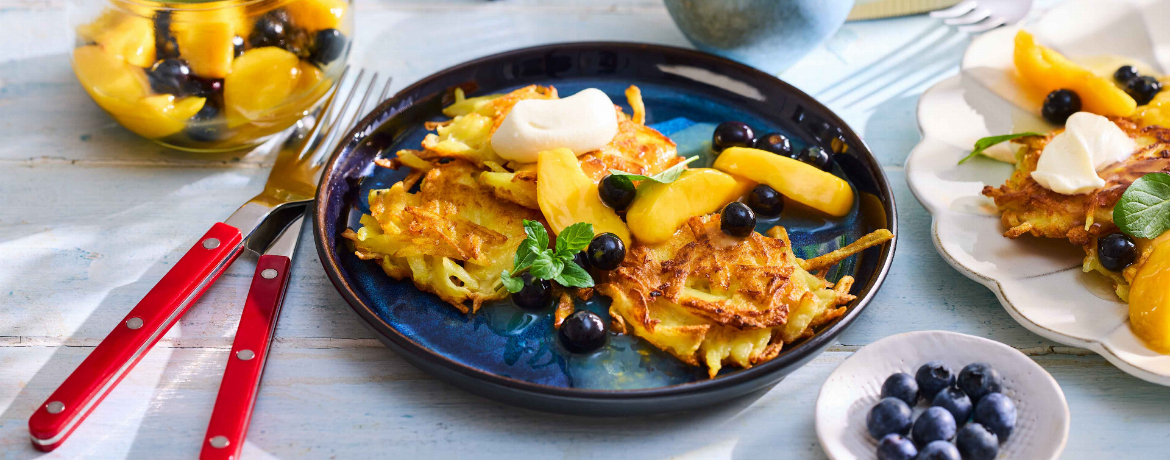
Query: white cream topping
1069	163
583	122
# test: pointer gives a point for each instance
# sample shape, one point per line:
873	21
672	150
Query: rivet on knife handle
105	366
241	379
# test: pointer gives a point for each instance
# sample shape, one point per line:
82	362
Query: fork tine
386	90
338	129
984	26
976	15
962	8
322	117
331	123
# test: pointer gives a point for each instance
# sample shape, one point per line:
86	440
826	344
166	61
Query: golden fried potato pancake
1029	208
636	148
708	298
453	238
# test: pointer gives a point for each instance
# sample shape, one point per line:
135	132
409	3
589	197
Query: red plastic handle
154	315
241	380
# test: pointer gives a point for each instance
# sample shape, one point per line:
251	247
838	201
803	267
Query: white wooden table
91	216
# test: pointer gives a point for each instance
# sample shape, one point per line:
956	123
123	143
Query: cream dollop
1069	163
583	122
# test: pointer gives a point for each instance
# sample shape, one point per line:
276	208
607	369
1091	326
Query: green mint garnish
988	142
1144	209
535	257
667	176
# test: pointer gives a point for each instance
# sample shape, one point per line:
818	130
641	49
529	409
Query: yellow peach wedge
659	209
567	196
1046	70
799	182
261	78
1149	300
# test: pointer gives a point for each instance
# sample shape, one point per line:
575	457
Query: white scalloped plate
1038	281
855	386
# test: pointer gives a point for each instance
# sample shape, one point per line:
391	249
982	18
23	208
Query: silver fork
978	16
228	426
291	184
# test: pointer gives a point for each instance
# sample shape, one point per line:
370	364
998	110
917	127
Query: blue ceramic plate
510	354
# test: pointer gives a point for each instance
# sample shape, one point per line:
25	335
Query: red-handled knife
241	379
292	182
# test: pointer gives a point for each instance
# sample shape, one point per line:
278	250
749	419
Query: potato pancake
711	299
1028	208
453	238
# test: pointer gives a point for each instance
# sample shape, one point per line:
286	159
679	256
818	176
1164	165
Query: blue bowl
770	35
512	355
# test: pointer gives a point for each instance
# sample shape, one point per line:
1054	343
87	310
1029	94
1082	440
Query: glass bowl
209	76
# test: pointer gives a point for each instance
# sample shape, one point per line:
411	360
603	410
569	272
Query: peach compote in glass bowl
210	76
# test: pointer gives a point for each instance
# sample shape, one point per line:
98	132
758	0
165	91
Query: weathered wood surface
91	216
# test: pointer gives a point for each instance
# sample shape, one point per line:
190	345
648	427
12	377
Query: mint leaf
512	284
525	254
574	276
546	267
988	142
536	234
1144	209
574	238
667	176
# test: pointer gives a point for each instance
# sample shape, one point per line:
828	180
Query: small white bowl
854	387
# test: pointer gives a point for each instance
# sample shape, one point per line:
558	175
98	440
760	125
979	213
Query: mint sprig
534	256
991	141
667	176
1144	209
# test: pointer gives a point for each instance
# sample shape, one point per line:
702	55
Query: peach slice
1149	300
1046	71
567	196
659	209
797	181
260	80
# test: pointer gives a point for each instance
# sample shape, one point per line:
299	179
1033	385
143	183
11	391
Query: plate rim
412	350
1066	419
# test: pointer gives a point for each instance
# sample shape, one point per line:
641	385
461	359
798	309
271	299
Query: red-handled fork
292	182
241	379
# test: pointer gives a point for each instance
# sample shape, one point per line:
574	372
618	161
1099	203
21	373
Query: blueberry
582	332
932	377
776	143
1125	73
896	447
1143	89
1059	105
169	76
1116	251
890	415
581	260
901	386
817	157
238	46
997	413
979	379
535	295
732	134
328	45
204	126
954	401
936	424
165	45
975	442
938	450
204	87
616	192
270	29
765	201
606	251
737	220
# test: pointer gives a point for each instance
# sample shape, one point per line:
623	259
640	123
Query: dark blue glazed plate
512	355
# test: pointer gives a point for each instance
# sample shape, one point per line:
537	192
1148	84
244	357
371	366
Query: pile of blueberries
968	417
1062	103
